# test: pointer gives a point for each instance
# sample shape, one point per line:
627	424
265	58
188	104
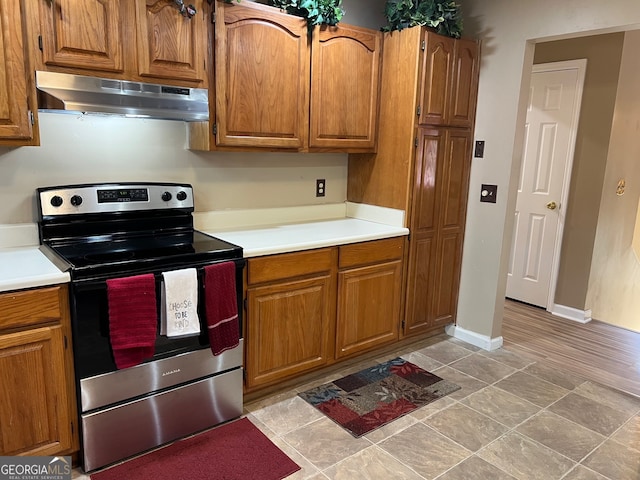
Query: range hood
63	91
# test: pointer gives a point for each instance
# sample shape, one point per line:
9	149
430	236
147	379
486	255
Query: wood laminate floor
596	351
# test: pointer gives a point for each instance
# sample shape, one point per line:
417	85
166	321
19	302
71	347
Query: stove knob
166	196
76	200
56	200
182	195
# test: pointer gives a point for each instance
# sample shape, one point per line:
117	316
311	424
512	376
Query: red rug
235	451
375	396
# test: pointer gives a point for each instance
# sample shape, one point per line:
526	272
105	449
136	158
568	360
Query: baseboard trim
570	313
477	339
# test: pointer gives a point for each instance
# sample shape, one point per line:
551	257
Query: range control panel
118	197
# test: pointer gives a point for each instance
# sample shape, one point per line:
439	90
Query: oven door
90	322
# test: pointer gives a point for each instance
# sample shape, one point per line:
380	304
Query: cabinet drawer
371	252
31	307
289	265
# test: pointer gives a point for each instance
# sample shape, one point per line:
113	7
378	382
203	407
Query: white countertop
27	267
268	240
258	232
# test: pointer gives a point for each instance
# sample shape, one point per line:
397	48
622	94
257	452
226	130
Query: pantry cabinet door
345	82
171	45
262	60
437	227
464	91
423	240
435	85
452	195
90	35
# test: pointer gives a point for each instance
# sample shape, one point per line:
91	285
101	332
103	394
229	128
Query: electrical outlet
321	186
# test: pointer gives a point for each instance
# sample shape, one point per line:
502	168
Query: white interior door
550	131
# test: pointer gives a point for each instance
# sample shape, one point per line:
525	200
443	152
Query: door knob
551	205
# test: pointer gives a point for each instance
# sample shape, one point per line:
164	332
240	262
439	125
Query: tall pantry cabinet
427	110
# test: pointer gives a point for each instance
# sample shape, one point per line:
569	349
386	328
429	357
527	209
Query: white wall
508	30
614	284
97	149
90	148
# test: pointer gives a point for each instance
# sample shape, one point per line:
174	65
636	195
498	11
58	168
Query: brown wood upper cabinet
448	87
171	46
278	87
17	94
345	63
147	40
86	35
262	77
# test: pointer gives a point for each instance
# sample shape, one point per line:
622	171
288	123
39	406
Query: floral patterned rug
375	396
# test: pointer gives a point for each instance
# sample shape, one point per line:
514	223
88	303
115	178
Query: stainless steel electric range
99	232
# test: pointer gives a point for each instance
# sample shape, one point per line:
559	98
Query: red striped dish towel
221	306
132	318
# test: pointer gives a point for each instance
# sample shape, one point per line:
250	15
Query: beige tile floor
513	418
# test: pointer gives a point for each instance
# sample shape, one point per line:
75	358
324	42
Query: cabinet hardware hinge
213	17
32	117
403	323
415	142
418	110
40	42
215	129
423	45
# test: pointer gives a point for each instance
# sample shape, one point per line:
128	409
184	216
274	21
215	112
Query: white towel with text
179	298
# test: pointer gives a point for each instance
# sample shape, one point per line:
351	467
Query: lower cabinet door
288	329
368	307
34	417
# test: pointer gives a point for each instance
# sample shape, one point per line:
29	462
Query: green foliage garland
442	15
317	12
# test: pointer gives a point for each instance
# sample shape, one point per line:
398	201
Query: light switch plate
488	193
478	152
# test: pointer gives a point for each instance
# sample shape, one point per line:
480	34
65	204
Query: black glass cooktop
120	255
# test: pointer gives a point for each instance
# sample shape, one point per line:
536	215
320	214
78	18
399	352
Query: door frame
581	66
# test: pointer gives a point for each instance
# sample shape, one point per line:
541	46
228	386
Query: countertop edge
35	282
299	247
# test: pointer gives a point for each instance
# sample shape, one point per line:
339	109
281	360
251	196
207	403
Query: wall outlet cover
488	193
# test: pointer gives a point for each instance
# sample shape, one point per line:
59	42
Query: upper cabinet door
436	78
345	79
171	45
462	106
262	77
449	81
15	121
87	34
